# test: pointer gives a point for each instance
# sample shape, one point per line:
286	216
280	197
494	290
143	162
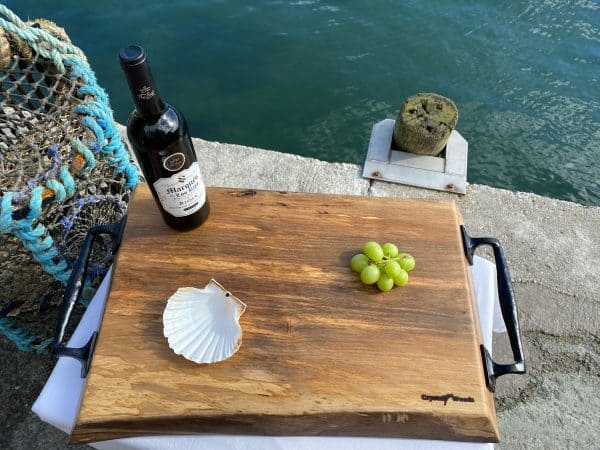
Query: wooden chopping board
322	354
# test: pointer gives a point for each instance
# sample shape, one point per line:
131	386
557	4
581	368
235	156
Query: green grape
374	251
370	274
406	261
390	250
392	268
359	262
402	278
385	283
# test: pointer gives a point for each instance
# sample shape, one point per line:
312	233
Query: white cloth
58	403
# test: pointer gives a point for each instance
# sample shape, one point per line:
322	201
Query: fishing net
63	170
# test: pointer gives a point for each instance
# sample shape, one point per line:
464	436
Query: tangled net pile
63	169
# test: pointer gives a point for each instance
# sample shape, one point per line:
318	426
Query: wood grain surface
322	354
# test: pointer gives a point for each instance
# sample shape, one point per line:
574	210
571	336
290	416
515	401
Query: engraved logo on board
174	162
445	398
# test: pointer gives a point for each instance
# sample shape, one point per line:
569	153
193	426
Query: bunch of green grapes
382	264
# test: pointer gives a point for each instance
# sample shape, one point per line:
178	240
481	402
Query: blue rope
59	190
6	222
67	181
90	161
97	118
41	41
42	250
22	339
97	114
35	205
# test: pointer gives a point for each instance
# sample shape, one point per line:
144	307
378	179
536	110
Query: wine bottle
159	135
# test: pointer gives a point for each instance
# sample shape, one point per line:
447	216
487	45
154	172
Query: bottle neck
143	90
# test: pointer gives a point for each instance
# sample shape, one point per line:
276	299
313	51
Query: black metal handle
74	291
508	306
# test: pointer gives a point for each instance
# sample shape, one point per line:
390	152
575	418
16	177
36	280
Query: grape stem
385	260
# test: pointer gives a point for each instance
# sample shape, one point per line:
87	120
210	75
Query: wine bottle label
183	193
174	162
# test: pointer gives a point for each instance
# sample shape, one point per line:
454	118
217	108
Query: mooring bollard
424	124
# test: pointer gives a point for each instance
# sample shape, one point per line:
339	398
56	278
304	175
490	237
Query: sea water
311	77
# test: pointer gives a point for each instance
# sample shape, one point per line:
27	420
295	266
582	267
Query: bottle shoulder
157	131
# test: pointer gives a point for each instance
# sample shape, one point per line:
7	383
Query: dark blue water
311	77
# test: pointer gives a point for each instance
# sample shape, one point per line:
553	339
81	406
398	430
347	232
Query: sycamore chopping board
322	354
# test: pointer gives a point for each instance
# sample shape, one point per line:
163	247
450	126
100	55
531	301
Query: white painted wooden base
432	172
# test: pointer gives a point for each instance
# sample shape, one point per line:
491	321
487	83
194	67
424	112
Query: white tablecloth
59	400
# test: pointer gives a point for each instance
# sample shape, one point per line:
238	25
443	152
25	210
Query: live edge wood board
322	354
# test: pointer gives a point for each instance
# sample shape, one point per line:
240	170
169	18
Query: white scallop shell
203	324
